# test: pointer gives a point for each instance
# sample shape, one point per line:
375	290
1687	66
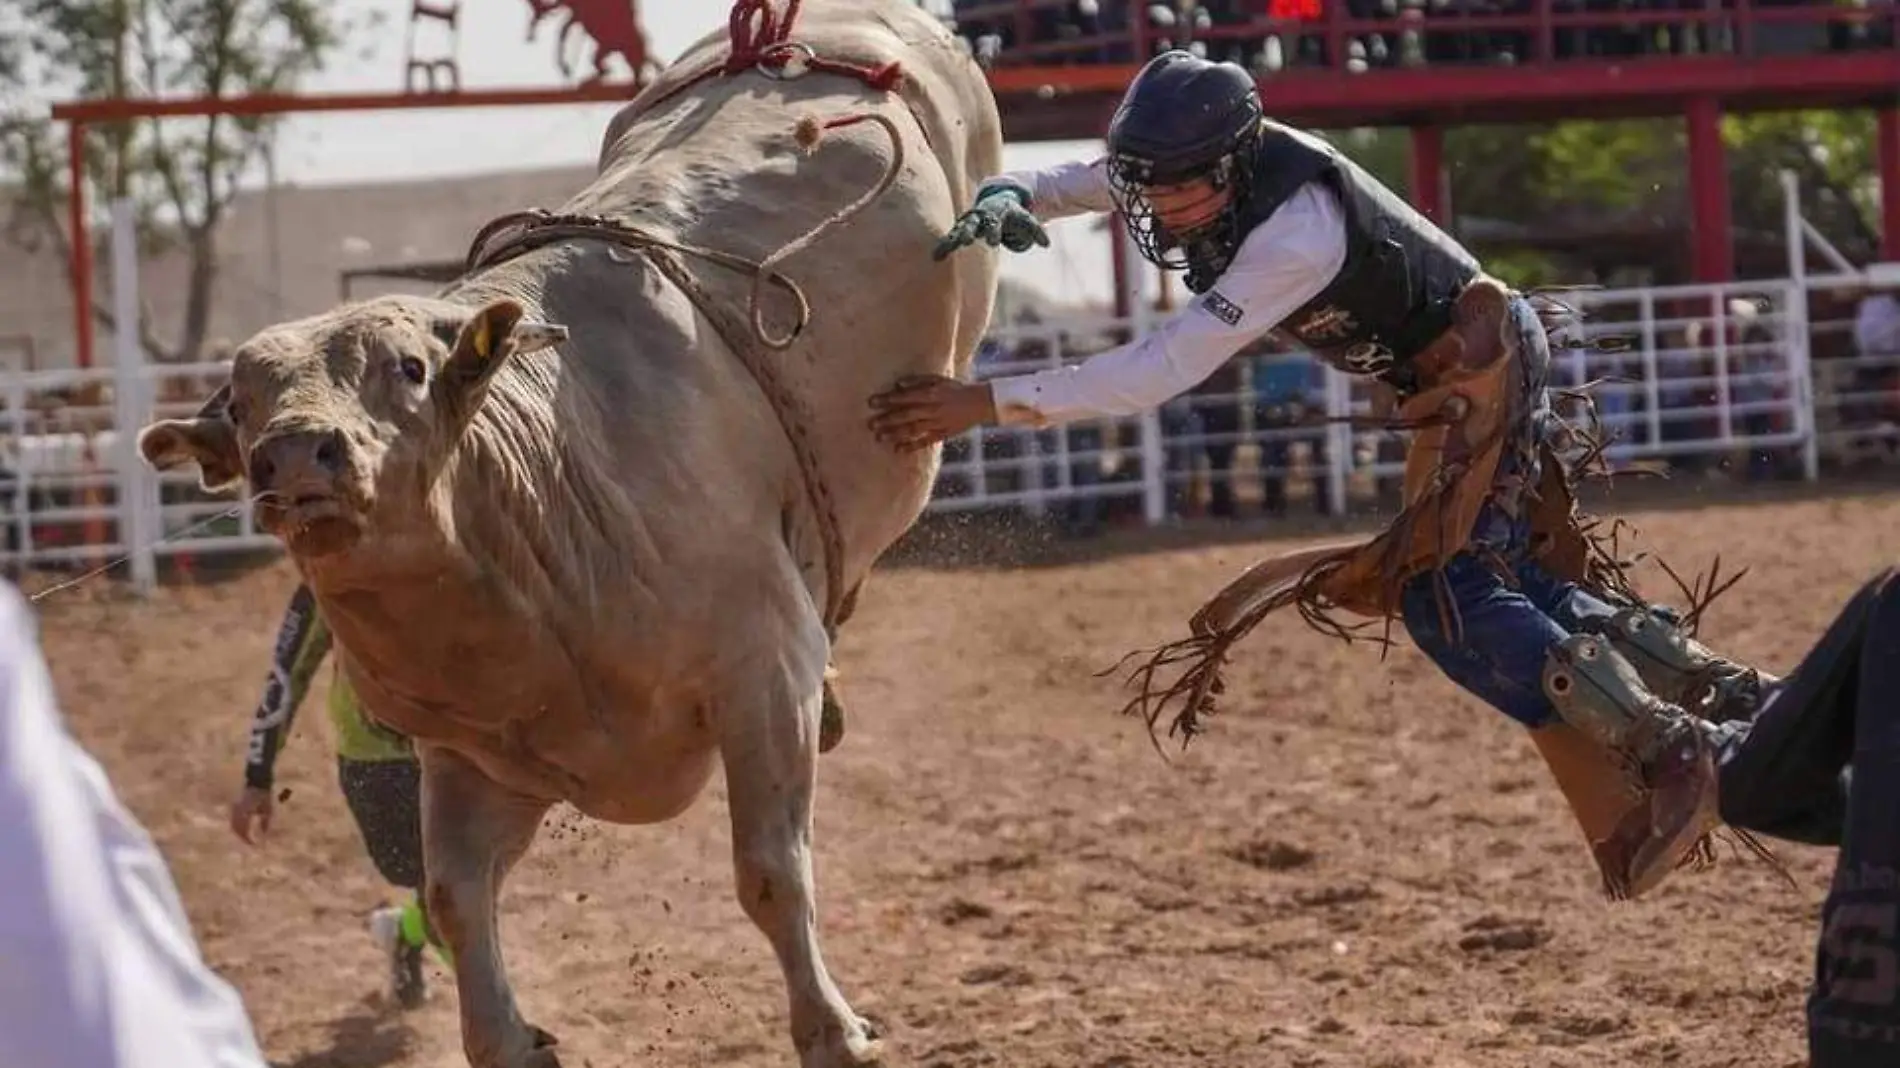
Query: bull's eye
413	369
234	410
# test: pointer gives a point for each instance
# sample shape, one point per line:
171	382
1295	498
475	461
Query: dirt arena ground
1359	867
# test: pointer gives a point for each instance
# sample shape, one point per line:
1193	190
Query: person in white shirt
98	966
1278	231
1877	325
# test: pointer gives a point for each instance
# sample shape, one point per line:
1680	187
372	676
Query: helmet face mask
1171	219
1177	150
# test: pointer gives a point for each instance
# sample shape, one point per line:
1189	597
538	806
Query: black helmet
1182	117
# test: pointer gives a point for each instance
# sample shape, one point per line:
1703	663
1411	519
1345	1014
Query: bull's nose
296	453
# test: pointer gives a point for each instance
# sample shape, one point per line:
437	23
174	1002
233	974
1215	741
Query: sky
494	52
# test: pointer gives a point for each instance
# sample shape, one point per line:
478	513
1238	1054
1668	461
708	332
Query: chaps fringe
1599	554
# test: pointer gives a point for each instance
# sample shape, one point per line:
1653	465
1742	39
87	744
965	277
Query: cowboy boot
1664	754
1684	672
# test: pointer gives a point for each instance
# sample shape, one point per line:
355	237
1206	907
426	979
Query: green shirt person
376	768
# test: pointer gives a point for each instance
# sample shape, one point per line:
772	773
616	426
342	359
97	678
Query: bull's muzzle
308	490
298	462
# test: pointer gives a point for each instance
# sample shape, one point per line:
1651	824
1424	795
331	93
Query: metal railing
1298	39
1686	376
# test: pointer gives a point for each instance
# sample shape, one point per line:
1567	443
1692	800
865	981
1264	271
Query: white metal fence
1764	378
1690	376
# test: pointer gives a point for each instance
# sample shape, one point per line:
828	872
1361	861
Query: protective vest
1393	296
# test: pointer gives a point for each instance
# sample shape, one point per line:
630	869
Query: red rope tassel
753	30
761	40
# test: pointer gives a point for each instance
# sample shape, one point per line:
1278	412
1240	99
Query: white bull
578	531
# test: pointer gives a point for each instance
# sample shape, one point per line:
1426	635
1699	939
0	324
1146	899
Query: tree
1636	171
1831	152
180	174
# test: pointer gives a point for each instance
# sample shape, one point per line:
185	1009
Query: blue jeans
1484	634
1500	636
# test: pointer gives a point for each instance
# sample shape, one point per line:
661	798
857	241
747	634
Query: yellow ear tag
482	341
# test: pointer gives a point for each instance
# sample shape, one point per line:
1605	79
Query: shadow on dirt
371	1037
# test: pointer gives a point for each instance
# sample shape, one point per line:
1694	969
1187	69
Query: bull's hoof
867	1048
831	718
542	1055
863	1045
854	1042
864	1053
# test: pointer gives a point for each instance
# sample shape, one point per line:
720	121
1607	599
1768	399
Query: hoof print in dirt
1491	934
1000	974
1568	1029
1324	896
959	910
1329	1026
1272	855
964	1053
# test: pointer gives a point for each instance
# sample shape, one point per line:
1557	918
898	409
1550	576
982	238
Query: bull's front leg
768	721
473	832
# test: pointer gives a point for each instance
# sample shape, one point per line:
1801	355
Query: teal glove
999	217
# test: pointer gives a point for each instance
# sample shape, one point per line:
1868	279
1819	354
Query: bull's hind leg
768	722
473	833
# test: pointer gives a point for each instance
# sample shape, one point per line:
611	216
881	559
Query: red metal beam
1535	20
1888	157
1578	89
1428	173
121	108
79	113
1714	258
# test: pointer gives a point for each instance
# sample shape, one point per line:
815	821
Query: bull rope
758	42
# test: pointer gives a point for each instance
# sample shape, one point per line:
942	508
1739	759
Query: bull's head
323	415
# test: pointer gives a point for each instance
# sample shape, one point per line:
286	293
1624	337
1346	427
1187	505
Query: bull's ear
497	331
210	441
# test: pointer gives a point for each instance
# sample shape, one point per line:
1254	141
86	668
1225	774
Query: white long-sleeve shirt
1285	262
98	967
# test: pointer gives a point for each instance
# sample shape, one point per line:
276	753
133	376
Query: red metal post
1336	16
1714	246
1889	163
1118	262
1428	172
82	243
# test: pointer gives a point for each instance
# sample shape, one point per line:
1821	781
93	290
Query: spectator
1877	324
1875	383
1758	368
1288	388
1181	431
1217	401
